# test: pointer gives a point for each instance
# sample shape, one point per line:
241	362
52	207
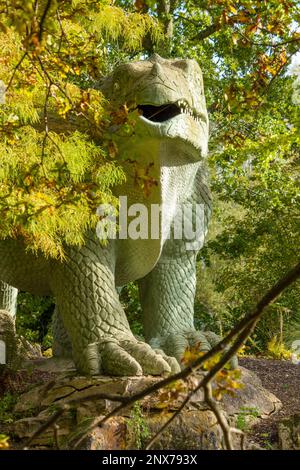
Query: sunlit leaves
226	381
4	441
57	154
53	199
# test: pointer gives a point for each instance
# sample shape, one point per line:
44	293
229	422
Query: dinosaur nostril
156	69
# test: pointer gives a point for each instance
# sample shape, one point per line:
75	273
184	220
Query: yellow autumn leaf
4	444
232	9
235	38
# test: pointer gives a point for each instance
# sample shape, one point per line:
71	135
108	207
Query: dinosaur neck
177	176
162	173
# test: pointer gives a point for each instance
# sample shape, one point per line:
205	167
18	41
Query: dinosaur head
169	95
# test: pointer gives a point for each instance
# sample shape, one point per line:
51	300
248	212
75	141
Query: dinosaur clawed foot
126	356
176	344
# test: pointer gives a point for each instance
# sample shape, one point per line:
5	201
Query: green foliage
293	332
7	403
56	166
210	309
137	426
34	318
277	350
130	300
259	241
245	416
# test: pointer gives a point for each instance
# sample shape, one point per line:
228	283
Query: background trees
54	128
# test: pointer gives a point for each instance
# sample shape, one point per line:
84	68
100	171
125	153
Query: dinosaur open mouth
166	111
159	113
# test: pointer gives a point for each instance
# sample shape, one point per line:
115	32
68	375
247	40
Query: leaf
235	38
232	9
4	441
242	18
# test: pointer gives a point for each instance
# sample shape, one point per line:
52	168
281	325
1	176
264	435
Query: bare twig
46	123
15	71
56	437
60	88
206	381
272	45
215	27
43	19
219	415
227	430
205	33
50	422
170	420
63	33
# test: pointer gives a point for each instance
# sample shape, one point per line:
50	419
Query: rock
29	350
195	428
289	433
60	366
253	396
25	427
112	436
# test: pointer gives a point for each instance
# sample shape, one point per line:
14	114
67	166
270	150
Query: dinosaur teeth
185	109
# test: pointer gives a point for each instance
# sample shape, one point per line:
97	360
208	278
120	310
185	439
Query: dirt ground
283	379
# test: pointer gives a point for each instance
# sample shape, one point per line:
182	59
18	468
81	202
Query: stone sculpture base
195	428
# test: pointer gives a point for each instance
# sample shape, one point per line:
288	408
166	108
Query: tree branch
43	19
205	33
227	430
50	422
165	8
15	70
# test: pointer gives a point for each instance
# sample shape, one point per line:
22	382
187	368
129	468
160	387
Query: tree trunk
165	10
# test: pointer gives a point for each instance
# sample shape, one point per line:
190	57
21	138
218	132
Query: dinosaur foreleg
89	305
8	298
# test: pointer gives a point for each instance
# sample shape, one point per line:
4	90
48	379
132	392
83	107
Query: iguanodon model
170	139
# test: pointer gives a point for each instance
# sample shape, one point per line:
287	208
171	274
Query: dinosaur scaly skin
170	139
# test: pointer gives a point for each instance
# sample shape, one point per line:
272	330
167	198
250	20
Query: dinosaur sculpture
170	138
